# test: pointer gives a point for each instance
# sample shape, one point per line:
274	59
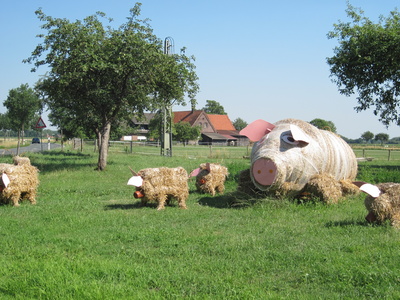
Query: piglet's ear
208	167
133	172
4	180
257	129
299	135
195	172
368	188
135	181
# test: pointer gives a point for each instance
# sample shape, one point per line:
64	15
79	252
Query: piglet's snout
264	171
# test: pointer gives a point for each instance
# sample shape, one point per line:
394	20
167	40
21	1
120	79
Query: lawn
87	238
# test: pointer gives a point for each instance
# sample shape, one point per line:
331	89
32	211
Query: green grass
87	238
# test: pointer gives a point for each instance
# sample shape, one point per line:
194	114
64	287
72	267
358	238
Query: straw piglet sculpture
160	185
382	202
292	156
18	181
210	178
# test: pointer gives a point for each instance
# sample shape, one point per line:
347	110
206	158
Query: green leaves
22	103
367	62
99	74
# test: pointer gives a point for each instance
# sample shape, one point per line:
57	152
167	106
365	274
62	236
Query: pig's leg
182	202
15	199
396	220
31	197
220	188
161	202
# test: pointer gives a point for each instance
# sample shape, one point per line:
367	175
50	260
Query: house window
205	125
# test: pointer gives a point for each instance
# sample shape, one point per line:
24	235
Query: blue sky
260	59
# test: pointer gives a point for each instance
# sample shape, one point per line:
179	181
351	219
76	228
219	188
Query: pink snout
264	171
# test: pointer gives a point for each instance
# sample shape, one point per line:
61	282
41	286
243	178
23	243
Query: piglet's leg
161	202
370	217
15	199
396	221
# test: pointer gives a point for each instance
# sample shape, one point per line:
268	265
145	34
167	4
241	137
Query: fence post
131	147
389	155
211	150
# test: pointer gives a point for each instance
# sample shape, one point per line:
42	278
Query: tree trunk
104	137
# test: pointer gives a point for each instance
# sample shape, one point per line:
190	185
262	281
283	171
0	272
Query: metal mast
166	111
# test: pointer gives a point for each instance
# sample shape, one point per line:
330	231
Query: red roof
186	116
221	122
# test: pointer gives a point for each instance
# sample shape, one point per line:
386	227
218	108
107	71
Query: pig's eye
289	139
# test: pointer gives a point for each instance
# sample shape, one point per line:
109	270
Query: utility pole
166	110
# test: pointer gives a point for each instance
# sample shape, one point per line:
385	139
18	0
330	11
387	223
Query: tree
367	136
214	107
99	74
367	62
4	123
22	104
184	132
239	124
382	137
323	124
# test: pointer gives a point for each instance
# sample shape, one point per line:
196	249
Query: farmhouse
215	129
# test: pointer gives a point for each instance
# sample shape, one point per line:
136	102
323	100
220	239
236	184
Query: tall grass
87	238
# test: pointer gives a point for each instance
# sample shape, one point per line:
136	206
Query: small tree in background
323	124
184	132
239	124
22	104
215	108
382	138
367	136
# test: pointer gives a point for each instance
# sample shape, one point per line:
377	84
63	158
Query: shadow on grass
229	200
137	205
346	223
57	160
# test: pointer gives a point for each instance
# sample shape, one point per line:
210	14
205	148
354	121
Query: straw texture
387	205
163	184
24	181
211	178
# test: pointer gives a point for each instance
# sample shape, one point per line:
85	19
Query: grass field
87	238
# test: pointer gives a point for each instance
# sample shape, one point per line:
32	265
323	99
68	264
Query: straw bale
296	161
24	181
386	206
211	178
19	160
163	184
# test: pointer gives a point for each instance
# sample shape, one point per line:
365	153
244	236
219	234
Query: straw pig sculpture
18	181
292	156
210	178
160	185
382	202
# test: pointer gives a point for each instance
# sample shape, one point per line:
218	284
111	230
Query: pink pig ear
195	172
257	129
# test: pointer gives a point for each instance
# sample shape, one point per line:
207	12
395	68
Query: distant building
215	129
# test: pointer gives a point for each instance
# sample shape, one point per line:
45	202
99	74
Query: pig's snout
264	171
138	194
